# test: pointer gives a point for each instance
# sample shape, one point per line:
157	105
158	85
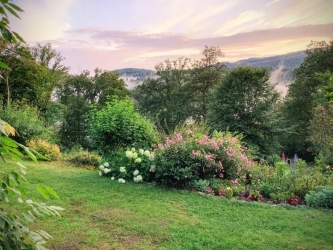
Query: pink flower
190	132
221	175
196	153
328	167
234	181
214	145
178	137
220	165
221	192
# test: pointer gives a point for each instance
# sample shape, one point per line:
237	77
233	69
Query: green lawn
102	214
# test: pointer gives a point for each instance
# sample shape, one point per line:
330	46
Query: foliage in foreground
14	233
50	151
27	121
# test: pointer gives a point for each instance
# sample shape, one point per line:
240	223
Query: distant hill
136	73
281	67
291	61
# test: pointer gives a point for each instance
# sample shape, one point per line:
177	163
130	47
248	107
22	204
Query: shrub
80	157
50	151
118	125
185	159
322	197
200	185
27	122
128	165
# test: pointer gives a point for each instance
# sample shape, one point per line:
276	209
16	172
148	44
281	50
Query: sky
114	34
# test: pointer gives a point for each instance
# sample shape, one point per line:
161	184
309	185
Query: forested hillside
281	67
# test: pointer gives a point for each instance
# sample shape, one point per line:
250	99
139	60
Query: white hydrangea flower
101	167
133	149
100	173
106	164
152	156
129	154
122	169
141	151
135	155
138	178
112	178
152	168
147	153
121	180
134	179
107	170
138	160
136	172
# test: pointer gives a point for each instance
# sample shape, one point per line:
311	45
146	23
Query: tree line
240	100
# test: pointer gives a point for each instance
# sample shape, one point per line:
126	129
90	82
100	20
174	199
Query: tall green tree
77	94
300	99
168	98
244	102
33	73
107	83
205	74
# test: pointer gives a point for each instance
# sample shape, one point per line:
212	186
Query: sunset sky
113	34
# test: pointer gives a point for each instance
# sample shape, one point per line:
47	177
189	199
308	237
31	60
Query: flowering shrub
183	160
287	184
50	151
130	165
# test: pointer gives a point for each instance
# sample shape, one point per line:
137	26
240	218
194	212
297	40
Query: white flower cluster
104	168
152	168
136	172
138	156
137	178
121	180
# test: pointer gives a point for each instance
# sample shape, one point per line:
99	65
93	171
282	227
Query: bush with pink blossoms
183	159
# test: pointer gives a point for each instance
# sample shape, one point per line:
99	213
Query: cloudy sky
113	34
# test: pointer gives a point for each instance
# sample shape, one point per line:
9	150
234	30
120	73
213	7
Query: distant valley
281	67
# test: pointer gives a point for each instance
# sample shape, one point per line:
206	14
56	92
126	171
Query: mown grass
102	214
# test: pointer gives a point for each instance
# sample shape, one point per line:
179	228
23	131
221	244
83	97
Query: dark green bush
119	125
27	122
322	197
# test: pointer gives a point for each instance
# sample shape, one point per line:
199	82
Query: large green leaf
15	7
18	36
12	11
51	192
42	192
3	65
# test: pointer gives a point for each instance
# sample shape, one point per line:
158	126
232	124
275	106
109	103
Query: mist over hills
281	67
291	60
